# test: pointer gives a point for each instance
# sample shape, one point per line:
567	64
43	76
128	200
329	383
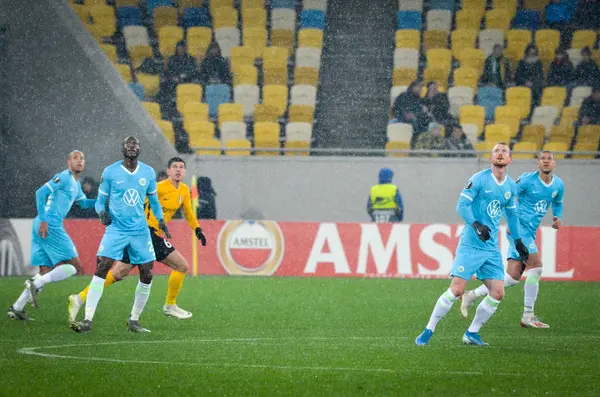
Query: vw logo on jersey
541	206
494	209
131	197
143	181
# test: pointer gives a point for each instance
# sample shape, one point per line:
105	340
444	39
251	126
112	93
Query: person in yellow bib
172	194
385	203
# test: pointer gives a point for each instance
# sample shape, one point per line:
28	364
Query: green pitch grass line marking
33	351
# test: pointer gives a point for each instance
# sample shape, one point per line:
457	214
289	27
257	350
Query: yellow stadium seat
219	4
202	146
265	113
439	58
103	27
183	4
153	109
224	17
273	146
510	116
524	147
254	18
310	38
534	133
100	11
408	39
256	39
200	129
569	115
516	42
497	133
110	51
301	114
472	5
231	112
588	133
277	97
508	6
562	133
519	97
473	114
167	128
440	76
82	12
126	3
275	56
165	16
241	57
396	145
195	110
124	71
485	148
309	76
275	75
150	82
554	96
188	93
583	38
198	39
245	75
282	38
470	18
584	147
168	37
435	39
190	118
557	147
463	38
266	135
497	19
547	41
249	4
302	145
138	53
466	77
471	58
243	145
537	5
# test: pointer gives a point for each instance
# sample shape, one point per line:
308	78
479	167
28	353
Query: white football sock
59	273
142	293
480	291
94	295
509	281
532	286
22	300
442	307
485	310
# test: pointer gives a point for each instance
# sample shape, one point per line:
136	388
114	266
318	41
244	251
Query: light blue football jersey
65	190
536	198
488	199
126	193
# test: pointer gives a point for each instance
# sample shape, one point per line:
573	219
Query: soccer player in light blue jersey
536	192
125	184
481	204
51	247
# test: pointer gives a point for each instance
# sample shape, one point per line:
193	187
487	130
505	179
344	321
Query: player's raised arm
465	209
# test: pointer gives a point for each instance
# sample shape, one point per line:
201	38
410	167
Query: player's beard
500	165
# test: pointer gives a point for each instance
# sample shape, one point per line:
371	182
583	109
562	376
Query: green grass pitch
300	337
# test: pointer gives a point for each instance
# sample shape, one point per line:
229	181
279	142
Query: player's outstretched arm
557	209
86	203
41	196
191	218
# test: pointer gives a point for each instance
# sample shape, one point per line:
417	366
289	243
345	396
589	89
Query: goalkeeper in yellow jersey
172	194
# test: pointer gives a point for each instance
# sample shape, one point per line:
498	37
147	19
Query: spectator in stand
214	68
180	68
496	69
437	104
530	73
588	14
409	108
561	70
589	112
90	189
207	208
457	140
431	140
161	176
587	72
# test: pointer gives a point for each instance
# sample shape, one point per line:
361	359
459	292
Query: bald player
51	247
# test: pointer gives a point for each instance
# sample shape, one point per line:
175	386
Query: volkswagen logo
494	209
541	206
131	197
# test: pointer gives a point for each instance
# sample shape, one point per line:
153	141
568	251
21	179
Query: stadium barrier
310	249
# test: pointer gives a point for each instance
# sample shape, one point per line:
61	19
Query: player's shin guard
94	295
110	279
59	273
442	307
532	286
485	310
142	293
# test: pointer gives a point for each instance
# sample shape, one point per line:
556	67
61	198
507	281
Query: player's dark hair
543	152
175	160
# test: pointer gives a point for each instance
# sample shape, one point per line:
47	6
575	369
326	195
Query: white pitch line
32	351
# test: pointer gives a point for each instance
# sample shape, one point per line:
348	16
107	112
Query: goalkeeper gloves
200	236
163	226
483	231
105	218
522	250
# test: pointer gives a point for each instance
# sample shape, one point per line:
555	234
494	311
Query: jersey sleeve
521	183
465	200
57	182
103	191
557	203
188	212
152	183
510	213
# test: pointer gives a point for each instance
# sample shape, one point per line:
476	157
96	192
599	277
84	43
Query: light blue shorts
469	261
53	249
139	248
529	242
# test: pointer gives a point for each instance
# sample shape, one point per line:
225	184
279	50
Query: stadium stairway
356	65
